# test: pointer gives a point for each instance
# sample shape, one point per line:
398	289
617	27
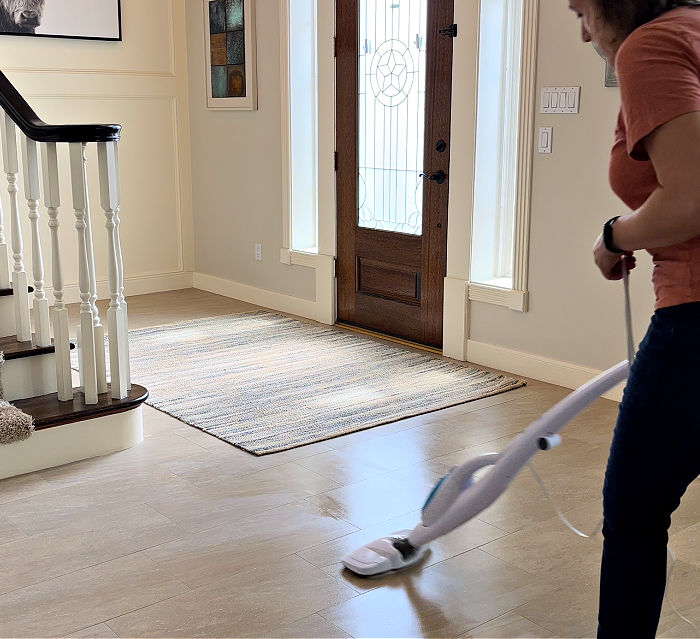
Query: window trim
516	297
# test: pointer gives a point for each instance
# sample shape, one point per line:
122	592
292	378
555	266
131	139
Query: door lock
439	176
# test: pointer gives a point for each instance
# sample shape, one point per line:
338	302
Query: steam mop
458	497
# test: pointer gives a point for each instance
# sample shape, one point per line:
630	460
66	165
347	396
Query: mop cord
599	525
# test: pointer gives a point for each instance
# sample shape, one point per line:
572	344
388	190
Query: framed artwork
78	19
610	77
229	55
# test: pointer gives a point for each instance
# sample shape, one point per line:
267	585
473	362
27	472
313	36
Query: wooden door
394	88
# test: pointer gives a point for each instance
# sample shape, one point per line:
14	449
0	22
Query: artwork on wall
610	77
230	54
81	19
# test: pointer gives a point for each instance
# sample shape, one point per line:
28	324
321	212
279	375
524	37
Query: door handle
439	176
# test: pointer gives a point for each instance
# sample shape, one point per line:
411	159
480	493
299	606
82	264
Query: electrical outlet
258	252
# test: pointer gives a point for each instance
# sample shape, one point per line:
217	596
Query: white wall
237	176
575	316
140	83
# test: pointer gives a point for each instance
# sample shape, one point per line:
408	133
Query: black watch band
608	236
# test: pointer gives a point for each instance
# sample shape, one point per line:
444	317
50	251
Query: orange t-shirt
658	69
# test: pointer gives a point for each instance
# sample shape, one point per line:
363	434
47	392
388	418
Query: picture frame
72	19
610	77
230	55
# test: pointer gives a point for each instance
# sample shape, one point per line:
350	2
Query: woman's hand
609	263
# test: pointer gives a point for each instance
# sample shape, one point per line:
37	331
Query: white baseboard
537	367
253	295
138	285
72	442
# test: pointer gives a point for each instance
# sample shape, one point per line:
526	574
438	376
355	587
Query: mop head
15	425
384	555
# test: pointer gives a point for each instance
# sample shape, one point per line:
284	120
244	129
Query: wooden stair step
48	412
12	349
4	292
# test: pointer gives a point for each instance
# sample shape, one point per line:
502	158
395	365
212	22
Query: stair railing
38	148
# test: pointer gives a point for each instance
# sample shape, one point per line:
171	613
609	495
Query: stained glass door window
391	91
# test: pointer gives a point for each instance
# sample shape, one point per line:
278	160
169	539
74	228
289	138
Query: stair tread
48	412
12	349
4	292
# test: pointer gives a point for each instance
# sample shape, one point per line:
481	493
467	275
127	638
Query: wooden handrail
36	129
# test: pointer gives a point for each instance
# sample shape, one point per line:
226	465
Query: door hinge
335	160
450	31
335	47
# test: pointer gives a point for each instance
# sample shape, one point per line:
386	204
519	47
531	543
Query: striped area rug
267	383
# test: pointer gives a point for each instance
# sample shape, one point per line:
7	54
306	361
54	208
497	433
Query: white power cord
599	526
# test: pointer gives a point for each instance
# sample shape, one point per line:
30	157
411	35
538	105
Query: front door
394	87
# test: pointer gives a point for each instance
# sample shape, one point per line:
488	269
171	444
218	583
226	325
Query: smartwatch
608	236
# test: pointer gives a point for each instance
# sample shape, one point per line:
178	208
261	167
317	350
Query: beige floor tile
162	447
9	533
225	501
23	486
227	461
688	512
329	555
686	545
380	498
82	500
249	603
444	600
313	627
552	551
85	598
241	544
100	631
156	422
86	542
567	612
509	626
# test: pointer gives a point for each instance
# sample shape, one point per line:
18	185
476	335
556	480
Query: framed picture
229	38
610	77
80	19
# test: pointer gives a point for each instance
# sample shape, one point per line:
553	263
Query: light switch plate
560	99
545	140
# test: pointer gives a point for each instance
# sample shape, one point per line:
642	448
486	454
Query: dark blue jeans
655	455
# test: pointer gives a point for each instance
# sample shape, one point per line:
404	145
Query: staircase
95	417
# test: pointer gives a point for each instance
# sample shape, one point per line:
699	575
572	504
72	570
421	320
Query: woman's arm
671	215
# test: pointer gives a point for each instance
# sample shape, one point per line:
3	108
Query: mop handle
628	311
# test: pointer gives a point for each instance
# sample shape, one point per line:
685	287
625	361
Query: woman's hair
624	16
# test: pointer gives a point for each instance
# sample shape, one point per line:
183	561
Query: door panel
394	75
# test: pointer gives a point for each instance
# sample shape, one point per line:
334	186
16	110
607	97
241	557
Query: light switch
560	99
545	144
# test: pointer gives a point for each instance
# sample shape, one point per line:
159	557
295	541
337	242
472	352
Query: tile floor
187	536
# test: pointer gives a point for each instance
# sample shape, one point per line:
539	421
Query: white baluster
20	286
120	266
118	335
4	256
32	191
61	336
98	329
86	342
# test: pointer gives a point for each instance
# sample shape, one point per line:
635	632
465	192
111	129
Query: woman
655	170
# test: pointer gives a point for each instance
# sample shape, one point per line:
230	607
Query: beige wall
237	171
575	316
140	83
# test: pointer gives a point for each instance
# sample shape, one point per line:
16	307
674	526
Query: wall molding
512	299
62	71
135	285
540	368
253	295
